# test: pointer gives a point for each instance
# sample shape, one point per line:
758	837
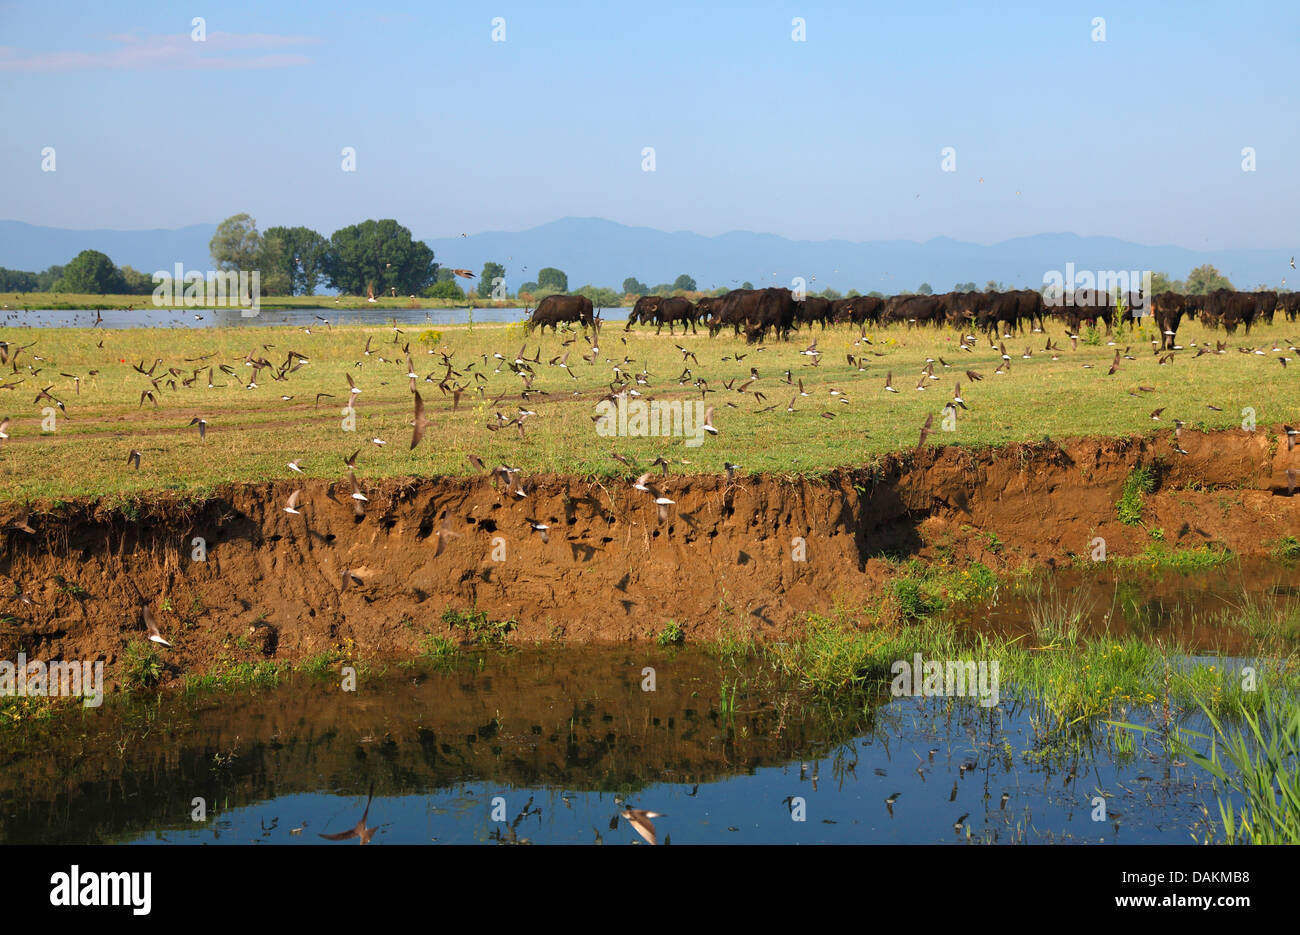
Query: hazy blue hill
27	247
594	250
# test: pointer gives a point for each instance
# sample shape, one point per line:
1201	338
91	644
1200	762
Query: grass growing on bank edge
1072	682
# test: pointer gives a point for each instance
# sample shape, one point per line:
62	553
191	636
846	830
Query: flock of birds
456	380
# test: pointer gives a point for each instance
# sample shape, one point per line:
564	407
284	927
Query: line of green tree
381	257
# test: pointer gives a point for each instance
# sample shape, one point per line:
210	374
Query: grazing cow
1168	309
1194	308
774	309
1030	308
1087	305
812	309
755	310
730	310
675	309
914	309
1230	309
860	309
1289	302
1265	306
557	308
706	308
987	310
968	308
643	311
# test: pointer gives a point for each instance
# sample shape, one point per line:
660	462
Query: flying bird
926	430
420	423
152	626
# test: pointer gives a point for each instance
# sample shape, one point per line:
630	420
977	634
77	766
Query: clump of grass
1157	555
1059	620
1273	625
323	663
262	673
70	587
480	630
911	600
731	644
437	647
671	635
1260	763
1140	482
1285	549
142	666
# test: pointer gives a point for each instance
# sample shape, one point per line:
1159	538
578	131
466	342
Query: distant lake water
233	318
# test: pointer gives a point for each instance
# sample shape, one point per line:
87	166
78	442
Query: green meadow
842	417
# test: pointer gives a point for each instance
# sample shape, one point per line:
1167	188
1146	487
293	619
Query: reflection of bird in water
360	831
639	819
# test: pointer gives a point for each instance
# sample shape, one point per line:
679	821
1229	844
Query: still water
297	317
546	745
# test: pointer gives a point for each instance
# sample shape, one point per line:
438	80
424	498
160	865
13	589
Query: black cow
860	309
1194	308
1230	309
775	310
1265	306
557	308
1088	306
914	309
1289	302
813	308
730	310
1168	308
675	309
643	311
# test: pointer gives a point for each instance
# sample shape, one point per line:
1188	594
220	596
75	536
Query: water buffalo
1168	309
1289	302
643	311
730	309
1265	306
860	309
1229	309
1088	306
757	311
675	309
915	309
557	308
813	308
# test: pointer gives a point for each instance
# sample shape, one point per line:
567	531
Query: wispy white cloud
221	51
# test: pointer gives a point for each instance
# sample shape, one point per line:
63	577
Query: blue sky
839	136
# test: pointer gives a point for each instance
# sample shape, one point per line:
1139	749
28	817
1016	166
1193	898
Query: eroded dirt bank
724	560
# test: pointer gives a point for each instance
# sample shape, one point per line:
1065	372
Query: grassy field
253	433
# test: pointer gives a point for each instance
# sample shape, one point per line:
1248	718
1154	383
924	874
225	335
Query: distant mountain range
604	253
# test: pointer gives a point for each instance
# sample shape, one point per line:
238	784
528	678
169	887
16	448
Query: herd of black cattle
776	310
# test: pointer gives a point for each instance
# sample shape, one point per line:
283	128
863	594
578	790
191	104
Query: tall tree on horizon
549	277
297	257
382	254
237	245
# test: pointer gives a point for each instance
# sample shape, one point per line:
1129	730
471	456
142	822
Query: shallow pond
544	745
269	317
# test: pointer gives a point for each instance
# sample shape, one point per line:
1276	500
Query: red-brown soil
610	572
